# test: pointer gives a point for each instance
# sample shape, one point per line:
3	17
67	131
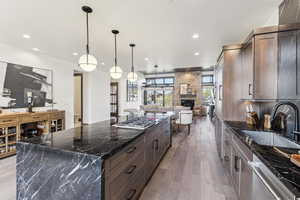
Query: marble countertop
99	139
280	166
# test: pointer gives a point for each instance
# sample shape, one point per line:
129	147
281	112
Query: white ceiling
161	29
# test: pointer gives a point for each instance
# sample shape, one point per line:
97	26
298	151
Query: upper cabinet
289	65
265	66
259	67
247	71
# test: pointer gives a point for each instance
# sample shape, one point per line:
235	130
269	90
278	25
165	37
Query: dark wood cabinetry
228	78
247	71
265	66
259	67
289	65
127	172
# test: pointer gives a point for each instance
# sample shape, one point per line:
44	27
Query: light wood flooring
191	170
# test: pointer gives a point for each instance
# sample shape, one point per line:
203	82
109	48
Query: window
159	96
169	81
207	79
162	81
159	91
132	91
207	94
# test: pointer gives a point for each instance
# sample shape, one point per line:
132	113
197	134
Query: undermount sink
271	139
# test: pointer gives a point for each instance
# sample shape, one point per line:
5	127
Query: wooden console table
11	127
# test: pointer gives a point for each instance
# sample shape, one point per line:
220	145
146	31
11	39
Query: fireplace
188	103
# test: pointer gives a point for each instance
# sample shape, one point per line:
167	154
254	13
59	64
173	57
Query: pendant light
132	76
87	62
116	71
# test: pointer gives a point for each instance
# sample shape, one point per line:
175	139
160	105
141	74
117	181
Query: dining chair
185	118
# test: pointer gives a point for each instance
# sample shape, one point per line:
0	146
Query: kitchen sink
271	139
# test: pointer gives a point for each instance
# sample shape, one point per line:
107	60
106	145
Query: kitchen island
92	162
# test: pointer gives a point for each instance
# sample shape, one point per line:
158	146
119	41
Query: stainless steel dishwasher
265	185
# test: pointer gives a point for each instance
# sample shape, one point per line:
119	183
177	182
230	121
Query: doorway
78	99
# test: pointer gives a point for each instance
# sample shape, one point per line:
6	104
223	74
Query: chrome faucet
296	123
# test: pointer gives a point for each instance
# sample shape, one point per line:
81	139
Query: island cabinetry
124	170
158	141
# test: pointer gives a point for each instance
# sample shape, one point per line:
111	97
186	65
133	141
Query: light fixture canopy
116	71
132	76
87	62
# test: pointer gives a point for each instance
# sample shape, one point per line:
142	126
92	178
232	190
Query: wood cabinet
260	67
289	65
247	71
228	83
11	127
219	136
265	66
233	108
227	150
127	172
158	141
219	87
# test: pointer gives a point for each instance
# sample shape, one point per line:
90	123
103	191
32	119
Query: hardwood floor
191	170
8	178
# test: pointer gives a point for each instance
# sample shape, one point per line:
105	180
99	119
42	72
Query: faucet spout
296	110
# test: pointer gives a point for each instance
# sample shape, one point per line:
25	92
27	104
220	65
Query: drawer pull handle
131	169
130	195
131	150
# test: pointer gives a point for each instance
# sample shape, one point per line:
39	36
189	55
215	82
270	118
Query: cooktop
139	123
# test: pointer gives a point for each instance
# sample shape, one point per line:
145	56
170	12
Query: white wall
62	76
96	96
96	85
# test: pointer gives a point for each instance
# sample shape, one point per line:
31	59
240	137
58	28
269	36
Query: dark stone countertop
280	166
99	139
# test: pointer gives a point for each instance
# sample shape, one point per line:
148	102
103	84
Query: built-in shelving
114	102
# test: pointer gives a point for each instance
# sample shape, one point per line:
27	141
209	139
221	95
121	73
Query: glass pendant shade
88	62
116	72
132	76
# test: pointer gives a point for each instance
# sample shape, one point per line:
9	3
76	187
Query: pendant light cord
132	67
87	34
116	61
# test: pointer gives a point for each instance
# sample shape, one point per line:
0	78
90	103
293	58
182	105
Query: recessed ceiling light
197	54
35	49
75	54
102	63
195	36
146	59
26	36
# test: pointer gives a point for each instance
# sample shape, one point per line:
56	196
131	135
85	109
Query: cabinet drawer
34	118
124	157
8	124
133	189
8	120
56	115
126	176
